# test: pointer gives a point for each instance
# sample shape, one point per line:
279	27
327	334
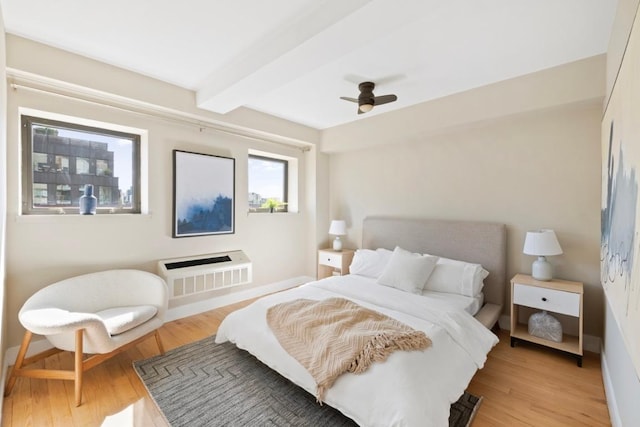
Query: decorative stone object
88	202
543	325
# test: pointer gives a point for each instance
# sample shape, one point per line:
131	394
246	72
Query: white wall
625	15
525	152
622	384
3	188
41	250
527	171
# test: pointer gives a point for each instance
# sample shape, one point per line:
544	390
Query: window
268	184
62	164
105	196
83	166
102	168
40	162
63	195
60	158
40	194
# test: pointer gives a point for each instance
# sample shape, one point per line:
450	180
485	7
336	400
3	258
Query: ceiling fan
366	100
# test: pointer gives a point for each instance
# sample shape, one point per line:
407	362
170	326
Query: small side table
557	296
334	263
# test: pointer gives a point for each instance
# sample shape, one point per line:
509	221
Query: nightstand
334	263
555	296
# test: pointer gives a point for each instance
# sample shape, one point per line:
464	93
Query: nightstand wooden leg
579	361
513	342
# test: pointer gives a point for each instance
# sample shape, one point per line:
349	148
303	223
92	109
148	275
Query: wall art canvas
620	219
203	194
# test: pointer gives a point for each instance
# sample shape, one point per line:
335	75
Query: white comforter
413	388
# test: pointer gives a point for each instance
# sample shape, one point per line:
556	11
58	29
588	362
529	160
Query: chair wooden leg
26	340
80	363
159	342
79	369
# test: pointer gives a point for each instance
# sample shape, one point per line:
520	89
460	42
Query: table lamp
338	228
541	243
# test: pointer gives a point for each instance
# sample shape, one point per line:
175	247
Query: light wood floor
521	386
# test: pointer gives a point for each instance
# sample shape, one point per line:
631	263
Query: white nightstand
555	296
334	263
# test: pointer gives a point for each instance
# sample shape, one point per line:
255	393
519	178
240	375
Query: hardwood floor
534	386
521	386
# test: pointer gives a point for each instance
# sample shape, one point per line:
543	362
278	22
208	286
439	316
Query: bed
411	388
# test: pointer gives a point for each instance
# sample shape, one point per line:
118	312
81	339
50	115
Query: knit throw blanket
334	336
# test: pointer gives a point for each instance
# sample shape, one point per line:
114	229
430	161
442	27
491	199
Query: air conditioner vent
195	262
203	273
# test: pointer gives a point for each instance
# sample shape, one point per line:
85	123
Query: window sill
270	213
63	218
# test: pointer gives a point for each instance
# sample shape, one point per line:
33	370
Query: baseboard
213	303
505	322
5	369
590	343
609	392
41	345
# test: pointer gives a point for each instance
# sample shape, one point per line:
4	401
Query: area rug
209	384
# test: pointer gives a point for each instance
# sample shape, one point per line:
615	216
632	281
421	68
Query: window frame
27	121
285	207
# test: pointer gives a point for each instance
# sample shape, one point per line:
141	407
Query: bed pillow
370	263
407	271
456	277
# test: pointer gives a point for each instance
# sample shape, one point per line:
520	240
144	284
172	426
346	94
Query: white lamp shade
542	243
338	228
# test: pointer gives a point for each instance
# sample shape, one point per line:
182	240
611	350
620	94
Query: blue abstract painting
618	219
204	187
620	234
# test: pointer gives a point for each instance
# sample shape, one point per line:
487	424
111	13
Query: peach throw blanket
333	336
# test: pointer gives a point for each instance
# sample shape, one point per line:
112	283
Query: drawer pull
544	299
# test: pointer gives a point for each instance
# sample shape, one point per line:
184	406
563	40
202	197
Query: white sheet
410	388
469	304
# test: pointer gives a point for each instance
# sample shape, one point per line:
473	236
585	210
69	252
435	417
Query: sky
265	178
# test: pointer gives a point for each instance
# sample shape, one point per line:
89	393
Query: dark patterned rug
209	384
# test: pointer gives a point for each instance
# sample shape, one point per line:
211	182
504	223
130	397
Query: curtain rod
32	82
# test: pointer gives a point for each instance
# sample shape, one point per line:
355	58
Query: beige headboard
479	242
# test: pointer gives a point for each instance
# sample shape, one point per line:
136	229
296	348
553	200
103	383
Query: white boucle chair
99	314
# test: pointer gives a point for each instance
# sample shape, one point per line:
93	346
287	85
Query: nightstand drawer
547	299
330	259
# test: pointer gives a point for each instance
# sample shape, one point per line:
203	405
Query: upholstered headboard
484	243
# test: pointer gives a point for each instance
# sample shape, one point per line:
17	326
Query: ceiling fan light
365	108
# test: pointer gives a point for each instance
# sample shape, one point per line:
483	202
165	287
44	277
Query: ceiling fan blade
384	99
366	100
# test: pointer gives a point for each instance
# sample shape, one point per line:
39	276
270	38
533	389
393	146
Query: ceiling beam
301	47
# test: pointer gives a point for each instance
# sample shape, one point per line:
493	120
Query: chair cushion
121	319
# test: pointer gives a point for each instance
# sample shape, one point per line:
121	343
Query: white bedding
469	304
410	388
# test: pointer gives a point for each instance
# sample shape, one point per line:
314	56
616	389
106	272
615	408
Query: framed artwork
620	214
203	194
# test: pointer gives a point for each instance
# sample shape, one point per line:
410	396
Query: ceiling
294	58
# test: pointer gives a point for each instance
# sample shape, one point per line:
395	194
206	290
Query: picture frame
203	194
